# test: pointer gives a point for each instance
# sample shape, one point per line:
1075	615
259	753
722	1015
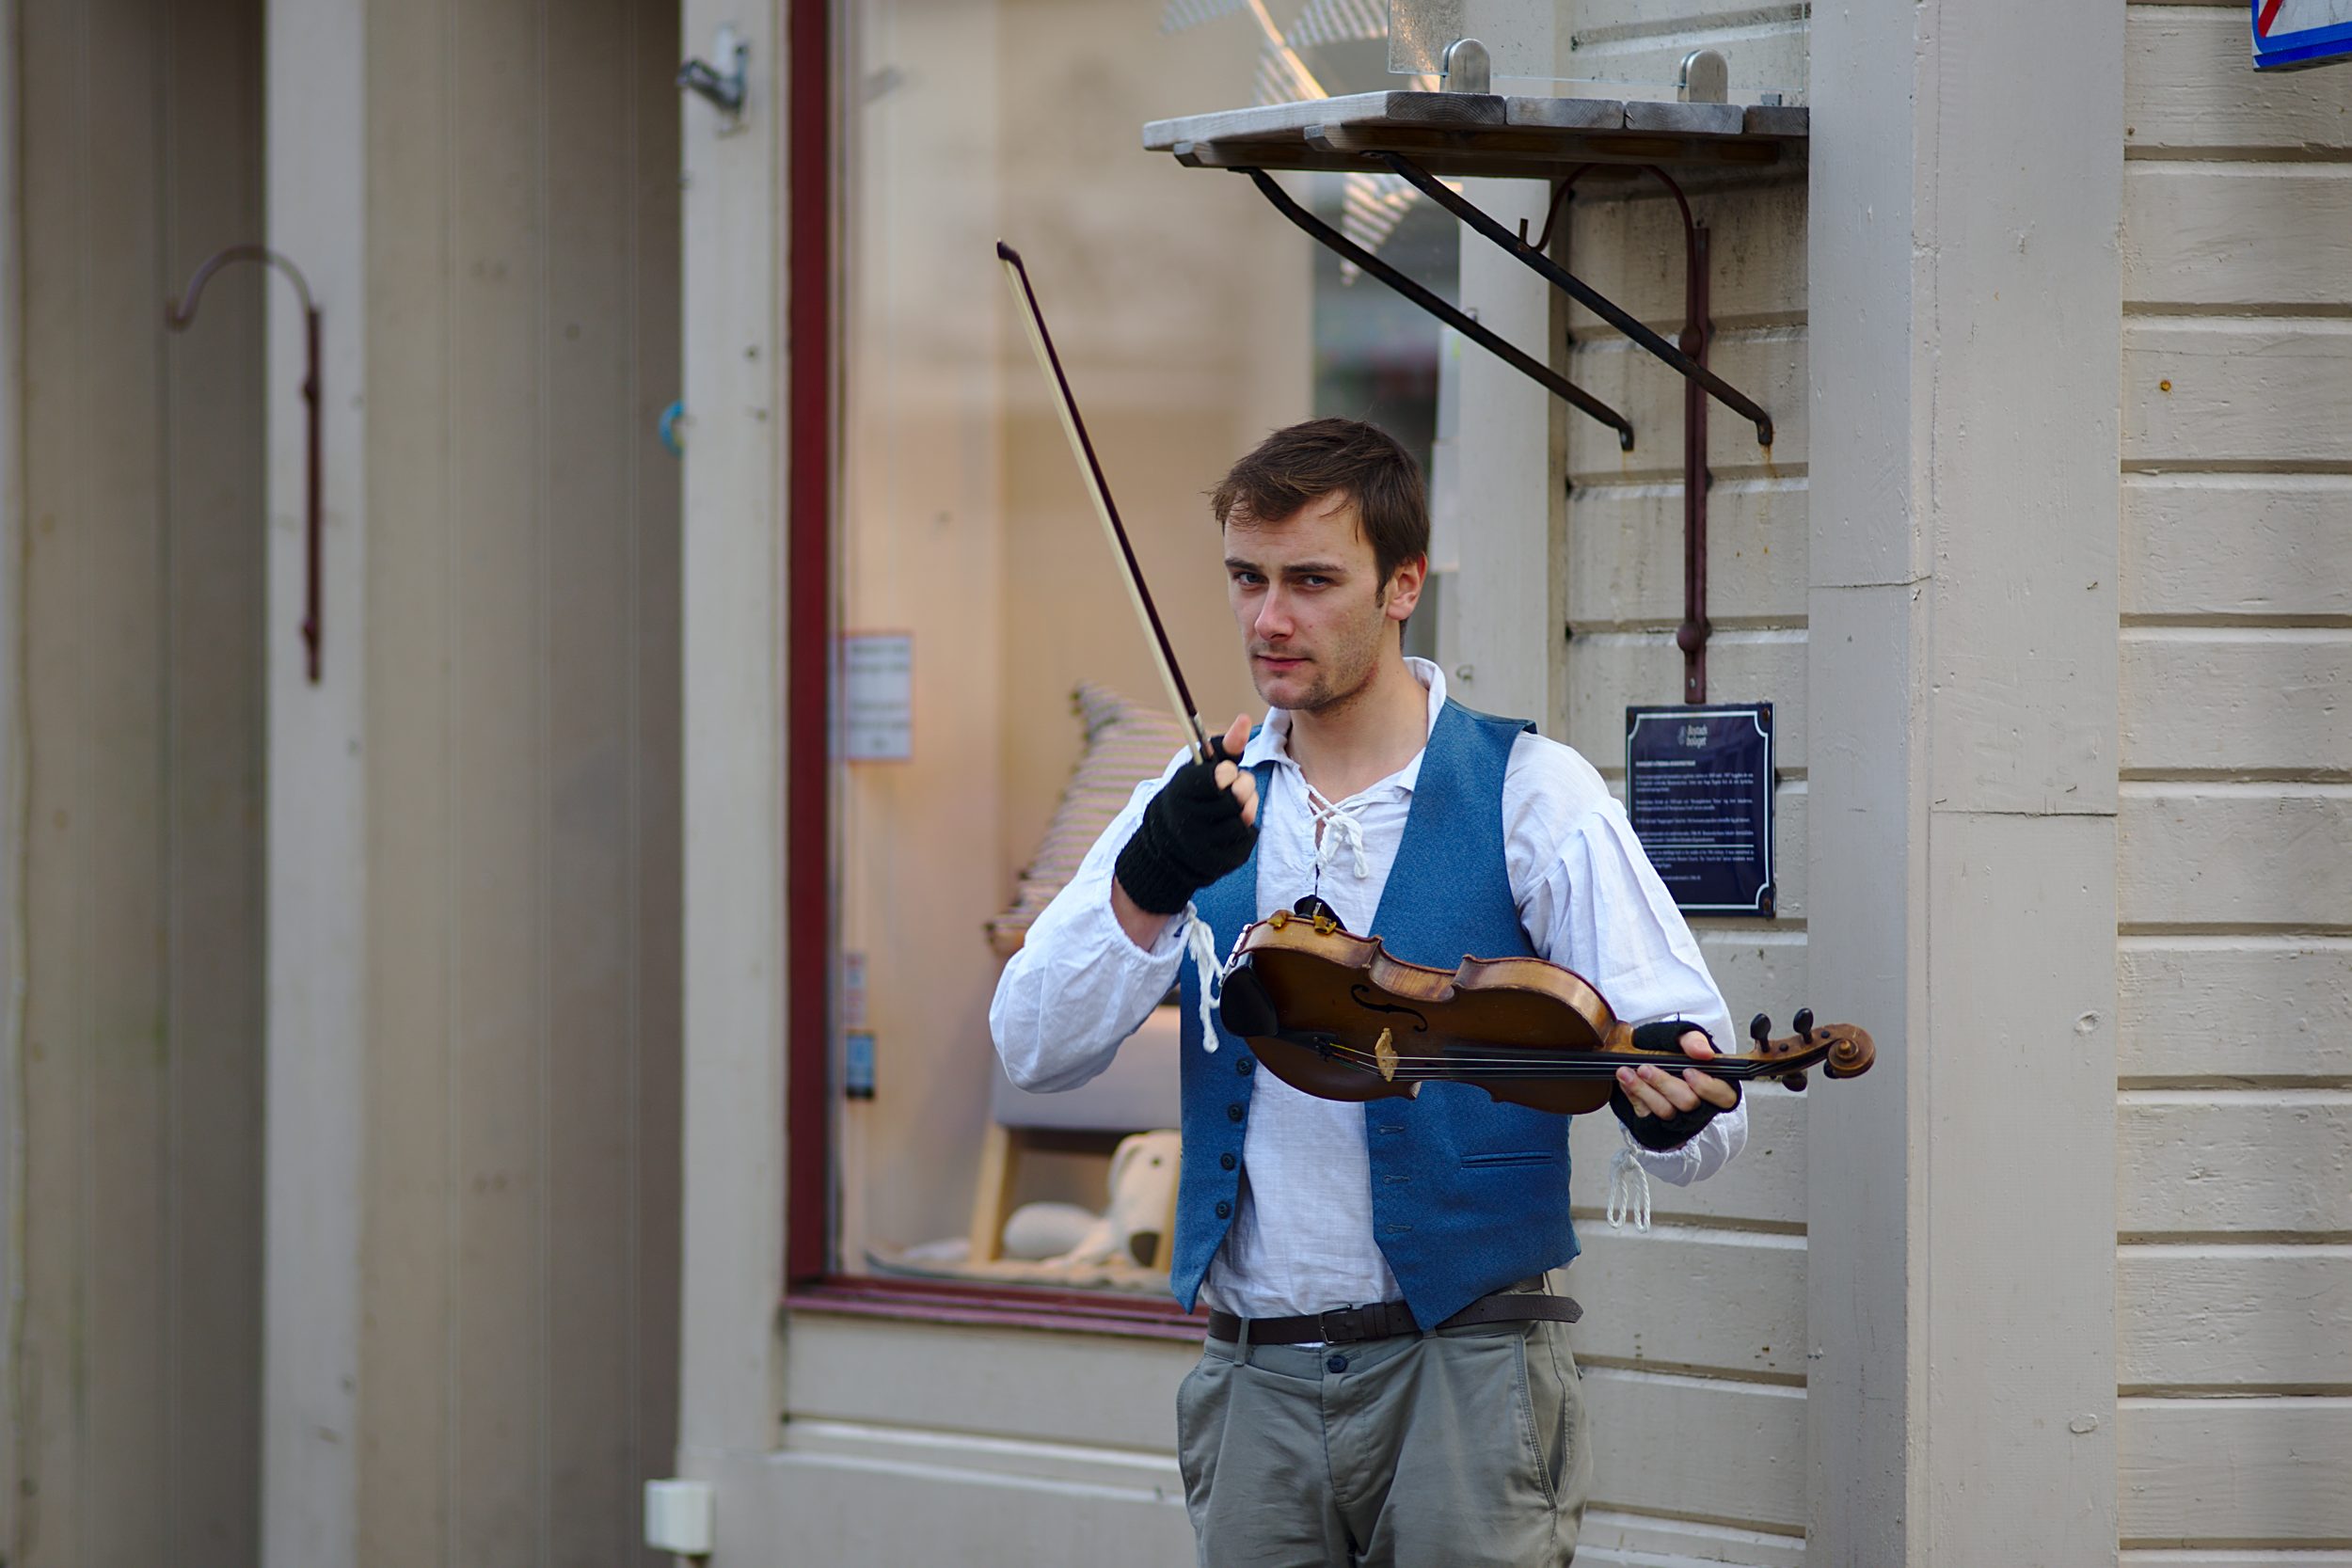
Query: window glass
977	596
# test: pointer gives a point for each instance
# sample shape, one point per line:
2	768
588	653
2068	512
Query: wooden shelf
1459	133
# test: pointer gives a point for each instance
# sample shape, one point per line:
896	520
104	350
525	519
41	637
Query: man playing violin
1387	1378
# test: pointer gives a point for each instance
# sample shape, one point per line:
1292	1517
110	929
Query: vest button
1235	1112
1244	1066
1224	1210
1226	1161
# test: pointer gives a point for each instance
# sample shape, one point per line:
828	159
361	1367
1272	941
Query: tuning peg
1802	1023
1795	1081
1761	1030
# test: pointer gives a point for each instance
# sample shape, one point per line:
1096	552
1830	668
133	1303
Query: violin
1333	1014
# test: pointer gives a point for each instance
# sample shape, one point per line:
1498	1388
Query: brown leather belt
1352	1324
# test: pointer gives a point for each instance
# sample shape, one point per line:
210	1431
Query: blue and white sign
1698	790
2301	32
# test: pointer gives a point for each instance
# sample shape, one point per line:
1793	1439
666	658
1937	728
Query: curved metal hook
181	316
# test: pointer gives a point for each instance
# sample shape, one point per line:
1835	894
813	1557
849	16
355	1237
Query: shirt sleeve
1589	901
1079	986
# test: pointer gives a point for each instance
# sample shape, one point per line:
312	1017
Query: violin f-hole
1362	996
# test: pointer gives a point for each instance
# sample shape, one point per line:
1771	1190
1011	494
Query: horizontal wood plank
1608	671
2215	1007
1733	1453
1767	364
1760	968
2234	855
814	1505
1612	1538
2236	391
1077	1389
1625	552
2188	85
2204	1163
2254	1471
2235	234
2223	1316
2237	544
1630	247
1682	1298
2270	700
2229	1557
1765	1185
1764	56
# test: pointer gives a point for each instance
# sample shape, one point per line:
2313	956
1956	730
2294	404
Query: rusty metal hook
180	315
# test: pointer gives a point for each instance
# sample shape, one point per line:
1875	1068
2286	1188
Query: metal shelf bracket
1466	324
1583	292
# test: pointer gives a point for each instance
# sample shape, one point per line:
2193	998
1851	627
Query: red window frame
812	1283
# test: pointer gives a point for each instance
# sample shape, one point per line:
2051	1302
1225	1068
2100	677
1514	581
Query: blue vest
1468	1196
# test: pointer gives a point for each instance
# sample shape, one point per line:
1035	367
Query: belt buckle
1342	1325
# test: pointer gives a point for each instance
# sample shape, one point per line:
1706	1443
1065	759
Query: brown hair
1306	461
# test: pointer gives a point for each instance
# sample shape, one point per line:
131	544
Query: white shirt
1302	1238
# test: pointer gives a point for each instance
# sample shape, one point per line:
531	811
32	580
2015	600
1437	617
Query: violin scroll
1843	1049
1850	1051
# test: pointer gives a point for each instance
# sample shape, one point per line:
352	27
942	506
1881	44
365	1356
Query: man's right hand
1199	828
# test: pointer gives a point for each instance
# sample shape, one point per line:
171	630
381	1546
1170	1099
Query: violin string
1595	1063
1537	1055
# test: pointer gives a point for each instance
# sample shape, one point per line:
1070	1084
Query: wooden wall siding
1643	42
2234	1263
518	1358
133	1371
1694	1334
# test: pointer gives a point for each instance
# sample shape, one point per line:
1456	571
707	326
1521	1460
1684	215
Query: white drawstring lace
1338	832
1629	1191
1200	946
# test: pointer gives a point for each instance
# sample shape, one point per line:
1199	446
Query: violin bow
1082	448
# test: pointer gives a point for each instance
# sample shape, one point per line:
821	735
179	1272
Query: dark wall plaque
1698	786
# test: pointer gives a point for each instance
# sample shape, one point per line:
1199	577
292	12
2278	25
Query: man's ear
1404	585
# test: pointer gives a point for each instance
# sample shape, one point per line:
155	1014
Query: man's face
1316	617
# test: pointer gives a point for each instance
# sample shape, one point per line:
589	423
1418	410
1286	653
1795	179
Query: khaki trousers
1455	1450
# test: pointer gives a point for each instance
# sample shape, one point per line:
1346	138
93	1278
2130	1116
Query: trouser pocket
1555	1395
1201	1402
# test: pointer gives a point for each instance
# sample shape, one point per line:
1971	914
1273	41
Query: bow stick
1179	695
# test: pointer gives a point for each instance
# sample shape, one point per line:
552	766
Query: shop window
995	702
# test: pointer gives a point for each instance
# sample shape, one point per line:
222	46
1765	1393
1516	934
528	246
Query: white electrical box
680	1516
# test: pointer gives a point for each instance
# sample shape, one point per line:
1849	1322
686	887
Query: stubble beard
1338	686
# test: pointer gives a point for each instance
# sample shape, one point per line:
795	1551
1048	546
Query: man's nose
1274	615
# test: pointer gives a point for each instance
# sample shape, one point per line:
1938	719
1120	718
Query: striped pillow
1125	744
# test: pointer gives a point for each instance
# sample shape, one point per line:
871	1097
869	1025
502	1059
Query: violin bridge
1384	1055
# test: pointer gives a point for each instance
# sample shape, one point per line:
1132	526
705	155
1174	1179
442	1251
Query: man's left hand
1656	1092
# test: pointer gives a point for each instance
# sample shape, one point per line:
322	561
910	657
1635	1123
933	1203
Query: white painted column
1966	182
1504	614
12	761
730	1385
315	151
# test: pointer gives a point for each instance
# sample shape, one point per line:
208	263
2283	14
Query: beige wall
135	1042
516	1370
2234	1281
476	929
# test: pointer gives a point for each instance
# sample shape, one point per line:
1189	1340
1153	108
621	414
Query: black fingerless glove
1655	1133
1191	834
